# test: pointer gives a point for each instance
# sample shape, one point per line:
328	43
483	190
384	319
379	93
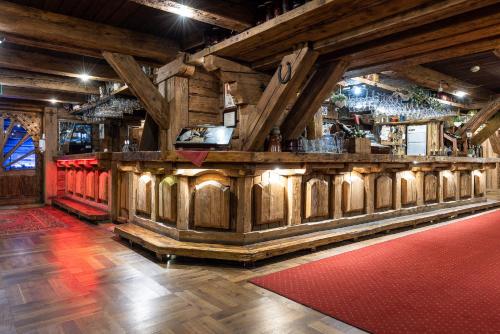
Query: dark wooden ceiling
487	77
133	16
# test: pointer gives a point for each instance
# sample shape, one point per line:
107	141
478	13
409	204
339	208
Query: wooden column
337	197
50	128
456	175
369	193
441	187
419	179
294	200
175	90
183	203
244	207
315	126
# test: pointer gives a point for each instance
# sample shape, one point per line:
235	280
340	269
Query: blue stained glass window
19	149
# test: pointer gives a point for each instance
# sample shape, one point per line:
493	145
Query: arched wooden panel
408	189
103	187
449	187
465	185
211	205
478	185
167	199
353	193
90	185
316	199
270	200
79	183
430	188
143	195
70	181
383	192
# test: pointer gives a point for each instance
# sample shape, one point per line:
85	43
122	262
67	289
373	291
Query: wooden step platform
80	209
163	246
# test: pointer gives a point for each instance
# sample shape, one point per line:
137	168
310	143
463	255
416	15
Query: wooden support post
155	189
481	117
369	193
312	96
175	89
294	195
150	135
419	179
441	187
488	131
50	128
244	206
272	105
396	191
315	126
183	203
456	175
133	178
337	196
142	87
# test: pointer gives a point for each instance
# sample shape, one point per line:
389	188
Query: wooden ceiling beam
488	131
319	87
480	118
25	79
41	95
75	33
435	80
56	65
233	17
141	86
272	107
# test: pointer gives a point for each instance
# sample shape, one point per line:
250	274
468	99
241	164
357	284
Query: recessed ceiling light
459	93
475	69
84	77
53	101
2	39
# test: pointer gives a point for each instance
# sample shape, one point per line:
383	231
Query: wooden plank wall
492	175
205	98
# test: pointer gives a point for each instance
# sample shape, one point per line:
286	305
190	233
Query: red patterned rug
30	220
443	280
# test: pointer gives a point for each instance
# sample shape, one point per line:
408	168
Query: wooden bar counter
246	199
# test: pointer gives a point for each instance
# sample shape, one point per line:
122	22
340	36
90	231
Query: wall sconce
41	143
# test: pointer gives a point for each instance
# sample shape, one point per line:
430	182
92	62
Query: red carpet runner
444	280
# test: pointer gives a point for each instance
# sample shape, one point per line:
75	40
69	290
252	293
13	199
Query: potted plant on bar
358	143
340	100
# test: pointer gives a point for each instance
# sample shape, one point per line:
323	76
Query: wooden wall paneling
70	180
369	180
317	197
211	205
143	195
90	185
244	204
176	92
167	199
353	193
103	187
204	103
383	192
433	137
294	200
183	203
465	185
269	199
431	188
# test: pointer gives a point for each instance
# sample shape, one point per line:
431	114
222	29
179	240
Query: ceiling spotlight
475	69
2	39
53	101
357	90
84	77
183	11
459	93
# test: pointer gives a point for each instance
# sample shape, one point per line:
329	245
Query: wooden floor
80	280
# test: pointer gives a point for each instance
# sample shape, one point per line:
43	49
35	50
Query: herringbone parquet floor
80	280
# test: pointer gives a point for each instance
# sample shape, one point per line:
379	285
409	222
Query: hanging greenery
422	97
